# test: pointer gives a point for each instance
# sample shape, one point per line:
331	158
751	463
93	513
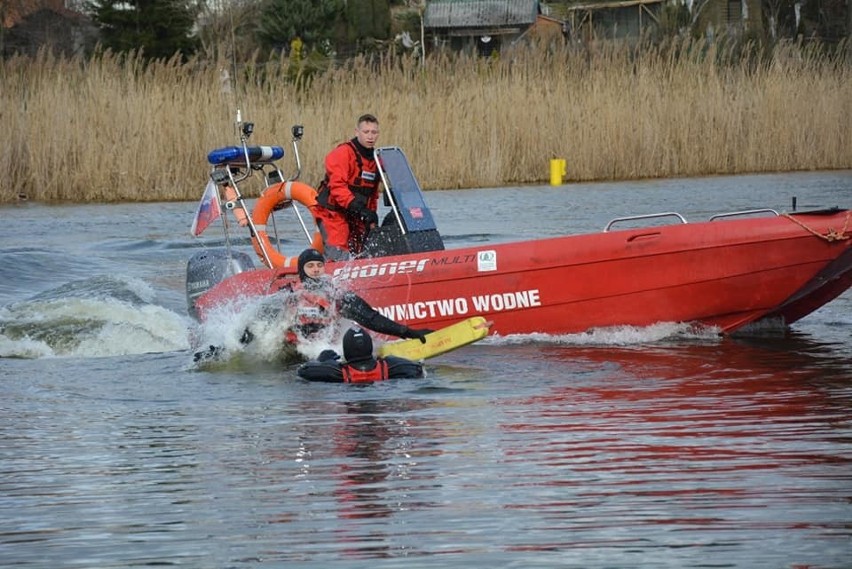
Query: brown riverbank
113	130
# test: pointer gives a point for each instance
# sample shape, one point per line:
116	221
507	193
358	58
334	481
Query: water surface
654	447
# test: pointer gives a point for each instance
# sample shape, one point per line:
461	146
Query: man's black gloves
328	355
369	217
419	334
358	208
212	353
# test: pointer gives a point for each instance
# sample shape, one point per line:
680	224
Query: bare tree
772	9
228	27
695	7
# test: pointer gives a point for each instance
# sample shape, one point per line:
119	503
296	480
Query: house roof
17	10
612	4
477	13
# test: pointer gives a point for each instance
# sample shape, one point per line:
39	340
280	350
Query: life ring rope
279	196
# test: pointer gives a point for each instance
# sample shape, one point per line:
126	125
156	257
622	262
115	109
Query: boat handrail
389	198
744	212
645	216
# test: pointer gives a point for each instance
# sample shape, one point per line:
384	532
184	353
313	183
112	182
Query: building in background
489	26
31	25
632	19
485	26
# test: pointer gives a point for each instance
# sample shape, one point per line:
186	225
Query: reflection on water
719	444
690	450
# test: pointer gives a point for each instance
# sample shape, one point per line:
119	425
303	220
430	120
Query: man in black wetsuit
359	365
319	304
314	305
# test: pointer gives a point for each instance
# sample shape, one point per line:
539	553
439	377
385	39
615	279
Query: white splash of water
616	335
89	327
267	318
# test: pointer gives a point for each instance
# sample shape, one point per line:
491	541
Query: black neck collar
361	149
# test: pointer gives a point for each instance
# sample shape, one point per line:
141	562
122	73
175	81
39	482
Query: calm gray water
655	447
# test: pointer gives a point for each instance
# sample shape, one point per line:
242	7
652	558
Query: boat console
409	226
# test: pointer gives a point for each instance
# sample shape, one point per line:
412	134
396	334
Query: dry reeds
114	128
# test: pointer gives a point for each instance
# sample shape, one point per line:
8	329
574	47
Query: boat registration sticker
486	261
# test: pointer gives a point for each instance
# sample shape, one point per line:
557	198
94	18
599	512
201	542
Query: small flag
208	209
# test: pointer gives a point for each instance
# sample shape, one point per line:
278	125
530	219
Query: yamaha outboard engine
209	267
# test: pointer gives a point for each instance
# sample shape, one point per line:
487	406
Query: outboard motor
208	268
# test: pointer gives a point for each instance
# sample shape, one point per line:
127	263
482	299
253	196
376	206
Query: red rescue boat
727	272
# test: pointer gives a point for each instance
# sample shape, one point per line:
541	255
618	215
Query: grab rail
646	216
744	212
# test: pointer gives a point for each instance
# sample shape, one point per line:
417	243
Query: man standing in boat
348	196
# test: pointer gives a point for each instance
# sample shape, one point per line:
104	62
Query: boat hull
725	274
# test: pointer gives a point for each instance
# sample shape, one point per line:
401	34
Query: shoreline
109	130
544	182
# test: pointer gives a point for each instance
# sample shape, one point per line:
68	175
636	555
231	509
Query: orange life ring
274	197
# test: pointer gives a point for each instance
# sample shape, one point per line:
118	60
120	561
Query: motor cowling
209	267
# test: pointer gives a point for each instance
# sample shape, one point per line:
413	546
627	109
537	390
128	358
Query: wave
94	317
29	269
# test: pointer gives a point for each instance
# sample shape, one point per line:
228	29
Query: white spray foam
616	335
268	318
91	327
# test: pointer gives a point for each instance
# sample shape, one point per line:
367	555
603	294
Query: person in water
314	305
348	196
359	365
319	304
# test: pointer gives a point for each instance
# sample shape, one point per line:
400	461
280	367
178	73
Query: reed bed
115	128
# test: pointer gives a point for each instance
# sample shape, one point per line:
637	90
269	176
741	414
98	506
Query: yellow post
558	167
